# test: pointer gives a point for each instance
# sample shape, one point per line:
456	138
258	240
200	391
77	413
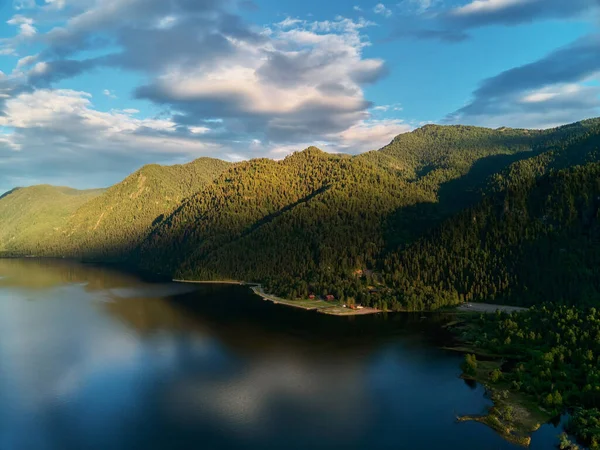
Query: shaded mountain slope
536	237
314	222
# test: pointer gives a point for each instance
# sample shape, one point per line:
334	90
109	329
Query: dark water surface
93	358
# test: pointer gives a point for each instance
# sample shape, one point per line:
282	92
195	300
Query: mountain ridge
314	220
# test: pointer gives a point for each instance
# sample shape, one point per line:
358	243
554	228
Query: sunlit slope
29	214
114	223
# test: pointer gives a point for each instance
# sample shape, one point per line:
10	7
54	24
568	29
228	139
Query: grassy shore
314	305
321	306
514	415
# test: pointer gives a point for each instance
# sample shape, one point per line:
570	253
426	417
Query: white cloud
26	61
487	6
289	22
40	68
380	8
562	87
167	22
370	134
364	136
62	137
304	81
418	6
545	107
56	4
7	141
562	93
199	130
23	4
538	97
46	108
25	24
250	92
386	108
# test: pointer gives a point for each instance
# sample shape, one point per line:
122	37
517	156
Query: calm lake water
93	358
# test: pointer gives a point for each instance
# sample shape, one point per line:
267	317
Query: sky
91	90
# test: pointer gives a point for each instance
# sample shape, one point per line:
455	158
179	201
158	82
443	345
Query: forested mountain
312	211
319	223
314	218
440	215
113	224
535	237
28	214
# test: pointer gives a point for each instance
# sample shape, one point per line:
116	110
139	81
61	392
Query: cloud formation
57	136
554	90
301	82
381	9
513	12
226	88
432	19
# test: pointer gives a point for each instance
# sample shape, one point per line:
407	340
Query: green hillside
285	218
536	237
324	223
113	224
28	214
440	215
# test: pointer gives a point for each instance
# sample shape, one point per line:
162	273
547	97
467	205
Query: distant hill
440	215
113	224
29	214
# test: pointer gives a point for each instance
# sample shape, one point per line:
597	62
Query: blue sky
91	90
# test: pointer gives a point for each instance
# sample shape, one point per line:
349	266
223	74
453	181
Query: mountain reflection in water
96	358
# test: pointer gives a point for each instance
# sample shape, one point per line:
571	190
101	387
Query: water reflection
95	358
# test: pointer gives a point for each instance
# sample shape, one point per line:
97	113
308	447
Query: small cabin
311	296
329	297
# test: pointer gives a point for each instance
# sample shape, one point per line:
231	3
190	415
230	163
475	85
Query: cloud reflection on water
150	372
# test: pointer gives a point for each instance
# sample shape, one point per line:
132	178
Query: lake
95	358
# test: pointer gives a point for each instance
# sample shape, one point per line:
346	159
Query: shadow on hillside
409	223
12	191
271	217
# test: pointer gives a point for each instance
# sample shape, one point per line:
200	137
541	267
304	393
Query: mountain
534	238
264	218
318	223
113	224
27	214
440	215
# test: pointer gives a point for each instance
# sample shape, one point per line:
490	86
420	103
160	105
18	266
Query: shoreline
513	415
335	309
239	283
320	306
488	308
